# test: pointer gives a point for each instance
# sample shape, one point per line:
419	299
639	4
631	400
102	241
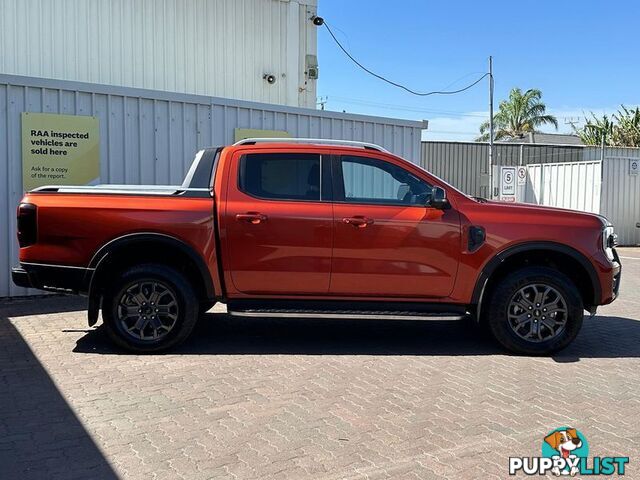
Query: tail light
27	224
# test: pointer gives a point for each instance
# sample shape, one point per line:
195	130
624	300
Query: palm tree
522	113
623	130
596	131
626	133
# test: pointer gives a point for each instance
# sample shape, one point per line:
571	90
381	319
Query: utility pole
322	101
490	127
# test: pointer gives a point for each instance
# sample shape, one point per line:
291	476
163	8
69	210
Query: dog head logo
566	443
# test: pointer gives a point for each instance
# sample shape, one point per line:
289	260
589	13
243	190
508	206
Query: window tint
281	176
367	180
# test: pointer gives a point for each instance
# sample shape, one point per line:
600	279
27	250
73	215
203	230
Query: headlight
609	241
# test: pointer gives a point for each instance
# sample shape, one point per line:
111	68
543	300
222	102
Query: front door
387	241
278	224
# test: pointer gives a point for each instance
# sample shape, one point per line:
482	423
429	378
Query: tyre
150	308
535	311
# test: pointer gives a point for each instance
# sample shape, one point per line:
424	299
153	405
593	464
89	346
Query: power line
319	20
427	132
391	106
462	78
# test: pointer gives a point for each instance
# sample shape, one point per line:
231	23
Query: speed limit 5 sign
508	181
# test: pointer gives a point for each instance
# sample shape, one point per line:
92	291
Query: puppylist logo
565	451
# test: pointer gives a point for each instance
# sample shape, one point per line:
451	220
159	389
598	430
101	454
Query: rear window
281	176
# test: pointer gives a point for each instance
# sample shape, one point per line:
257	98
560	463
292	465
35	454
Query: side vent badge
477	236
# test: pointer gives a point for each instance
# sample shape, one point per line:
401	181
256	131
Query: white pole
490	127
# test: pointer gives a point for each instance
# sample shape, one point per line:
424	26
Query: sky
583	55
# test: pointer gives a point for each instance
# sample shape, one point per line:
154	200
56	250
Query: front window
369	180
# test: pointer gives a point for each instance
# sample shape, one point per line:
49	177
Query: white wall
572	185
209	47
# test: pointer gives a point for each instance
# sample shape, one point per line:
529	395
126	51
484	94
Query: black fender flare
108	249
491	266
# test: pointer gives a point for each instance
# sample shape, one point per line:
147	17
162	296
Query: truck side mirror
439	199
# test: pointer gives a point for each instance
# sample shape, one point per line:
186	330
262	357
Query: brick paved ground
306	399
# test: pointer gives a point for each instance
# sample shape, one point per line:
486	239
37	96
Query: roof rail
315	141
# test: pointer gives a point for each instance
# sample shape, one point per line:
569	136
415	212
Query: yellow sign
59	150
242	133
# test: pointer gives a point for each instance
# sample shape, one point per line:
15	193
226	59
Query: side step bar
347	315
344	309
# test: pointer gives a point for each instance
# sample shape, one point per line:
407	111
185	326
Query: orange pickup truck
315	228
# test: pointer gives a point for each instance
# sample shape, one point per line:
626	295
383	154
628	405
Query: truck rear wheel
150	308
535	311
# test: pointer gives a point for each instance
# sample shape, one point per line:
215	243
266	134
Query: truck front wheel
150	308
535	311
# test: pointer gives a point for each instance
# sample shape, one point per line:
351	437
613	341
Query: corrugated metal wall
596	153
151	137
621	193
463	164
206	47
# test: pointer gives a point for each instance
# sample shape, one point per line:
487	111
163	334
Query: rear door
387	241
278	222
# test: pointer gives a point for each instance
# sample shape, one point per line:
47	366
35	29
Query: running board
346	315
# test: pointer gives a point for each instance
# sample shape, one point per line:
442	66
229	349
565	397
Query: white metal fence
609	187
573	185
150	137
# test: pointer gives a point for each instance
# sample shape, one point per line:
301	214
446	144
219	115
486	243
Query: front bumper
610	276
56	278
606	283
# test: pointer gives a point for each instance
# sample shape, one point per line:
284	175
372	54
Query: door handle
252	217
358	221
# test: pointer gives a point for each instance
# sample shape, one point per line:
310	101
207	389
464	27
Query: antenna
573	121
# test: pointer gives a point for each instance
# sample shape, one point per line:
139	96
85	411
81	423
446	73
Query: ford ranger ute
311	228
